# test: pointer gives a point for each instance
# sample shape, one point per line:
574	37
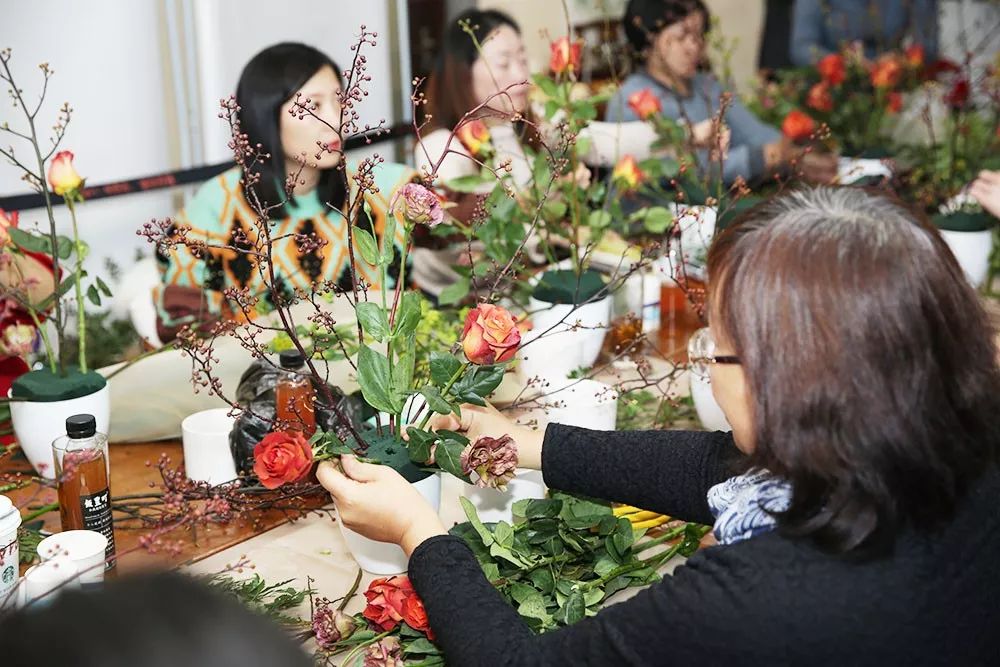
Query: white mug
86	548
207	456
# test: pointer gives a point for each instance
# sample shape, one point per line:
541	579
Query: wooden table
133	469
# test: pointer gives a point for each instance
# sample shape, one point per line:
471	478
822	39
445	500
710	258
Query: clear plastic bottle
83	473
293	395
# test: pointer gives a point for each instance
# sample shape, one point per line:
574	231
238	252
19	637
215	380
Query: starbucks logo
8	574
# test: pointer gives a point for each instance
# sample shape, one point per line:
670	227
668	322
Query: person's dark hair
870	361
269	80
449	87
160	620
644	19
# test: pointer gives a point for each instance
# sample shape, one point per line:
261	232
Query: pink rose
490	462
420	206
490	336
331	625
387	652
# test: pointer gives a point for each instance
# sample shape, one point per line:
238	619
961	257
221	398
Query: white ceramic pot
709	412
493	505
584	403
37	424
207	455
382	558
972	250
558	345
853	169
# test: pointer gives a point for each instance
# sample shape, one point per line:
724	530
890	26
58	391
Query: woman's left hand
377	502
986	190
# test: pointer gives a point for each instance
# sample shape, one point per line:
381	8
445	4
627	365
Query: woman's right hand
479	421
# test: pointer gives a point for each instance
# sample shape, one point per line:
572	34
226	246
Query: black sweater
769	600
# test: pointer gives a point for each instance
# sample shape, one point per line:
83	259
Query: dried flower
490	462
565	56
282	457
490	335
18	340
798	126
627	174
831	68
387	652
644	103
420	206
63	178
331	625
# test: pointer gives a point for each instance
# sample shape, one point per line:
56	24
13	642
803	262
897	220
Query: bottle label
97	517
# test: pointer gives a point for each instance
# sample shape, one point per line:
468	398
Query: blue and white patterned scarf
741	505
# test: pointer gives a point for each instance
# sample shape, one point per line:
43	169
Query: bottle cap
81	426
292	359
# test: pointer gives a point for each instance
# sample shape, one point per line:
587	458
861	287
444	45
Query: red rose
798	126
831	68
894	102
391	600
819	98
282	457
565	56
915	55
958	96
887	72
490	336
644	103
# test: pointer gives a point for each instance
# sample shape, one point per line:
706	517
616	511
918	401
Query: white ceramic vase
383	558
558	345
972	250
709	412
37	424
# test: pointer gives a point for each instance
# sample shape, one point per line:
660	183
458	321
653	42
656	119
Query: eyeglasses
701	353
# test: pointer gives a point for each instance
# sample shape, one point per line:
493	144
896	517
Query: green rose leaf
436	401
573	610
420	444
376	382
443	367
448	455
373	319
470	513
478	383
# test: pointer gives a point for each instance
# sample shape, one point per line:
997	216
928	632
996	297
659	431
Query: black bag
256	395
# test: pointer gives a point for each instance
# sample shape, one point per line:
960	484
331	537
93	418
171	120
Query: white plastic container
43	582
10	521
207	456
86	548
558	344
584	403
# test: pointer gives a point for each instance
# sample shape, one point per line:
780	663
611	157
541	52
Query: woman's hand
986	190
708	134
477	421
377	502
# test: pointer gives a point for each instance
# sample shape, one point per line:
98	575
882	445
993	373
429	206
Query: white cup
57	574
10	520
207	457
584	403
86	548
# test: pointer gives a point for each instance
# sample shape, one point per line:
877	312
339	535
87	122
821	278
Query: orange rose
282	457
627	174
798	126
886	72
391	600
644	103
63	178
894	102
819	98
831	68
475	136
490	336
915	55
7	220
565	57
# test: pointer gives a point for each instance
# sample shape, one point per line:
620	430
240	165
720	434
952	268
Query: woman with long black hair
303	148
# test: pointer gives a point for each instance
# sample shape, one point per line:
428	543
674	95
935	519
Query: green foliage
271	600
641	410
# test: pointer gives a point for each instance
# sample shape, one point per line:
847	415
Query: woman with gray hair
854	502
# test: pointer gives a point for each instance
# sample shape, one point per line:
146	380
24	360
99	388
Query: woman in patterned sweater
220	215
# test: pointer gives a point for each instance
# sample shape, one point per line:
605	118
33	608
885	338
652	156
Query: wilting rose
490	335
565	56
7	220
819	98
419	205
958	96
798	126
627	174
894	101
915	55
490	462
387	652
63	178
475	136
391	600
832	69
886	72
644	103
282	457
18	340
331	625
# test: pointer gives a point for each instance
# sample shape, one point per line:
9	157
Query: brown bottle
83	475
293	395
